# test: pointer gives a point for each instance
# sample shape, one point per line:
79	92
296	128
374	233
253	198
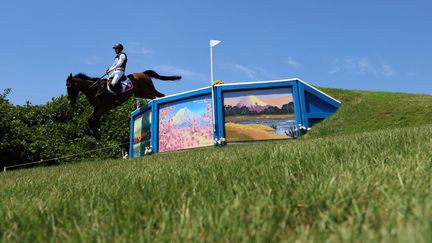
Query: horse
95	89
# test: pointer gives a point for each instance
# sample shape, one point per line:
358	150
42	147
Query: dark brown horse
103	101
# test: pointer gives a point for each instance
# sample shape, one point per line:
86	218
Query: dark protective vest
125	61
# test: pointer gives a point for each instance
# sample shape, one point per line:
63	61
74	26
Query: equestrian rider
118	68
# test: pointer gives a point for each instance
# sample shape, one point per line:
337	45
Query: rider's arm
119	63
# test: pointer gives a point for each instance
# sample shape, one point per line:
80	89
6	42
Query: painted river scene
258	114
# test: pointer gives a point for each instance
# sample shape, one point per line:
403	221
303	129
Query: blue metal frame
323	100
131	136
154	132
297	106
220	128
302	106
302	94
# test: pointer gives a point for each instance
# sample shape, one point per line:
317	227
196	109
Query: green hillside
364	111
362	175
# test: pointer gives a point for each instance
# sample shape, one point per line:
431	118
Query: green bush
38	132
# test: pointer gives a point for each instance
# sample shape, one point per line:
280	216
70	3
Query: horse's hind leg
146	89
159	94
152	90
144	95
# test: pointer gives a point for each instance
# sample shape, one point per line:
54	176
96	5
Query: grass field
350	179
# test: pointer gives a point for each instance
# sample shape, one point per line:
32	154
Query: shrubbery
36	132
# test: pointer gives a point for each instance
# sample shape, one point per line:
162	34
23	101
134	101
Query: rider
117	70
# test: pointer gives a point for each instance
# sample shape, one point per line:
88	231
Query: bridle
71	90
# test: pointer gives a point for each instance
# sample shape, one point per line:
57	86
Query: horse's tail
153	74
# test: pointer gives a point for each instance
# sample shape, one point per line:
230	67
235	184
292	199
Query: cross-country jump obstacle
232	113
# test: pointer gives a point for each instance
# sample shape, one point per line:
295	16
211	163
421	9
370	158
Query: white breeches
116	75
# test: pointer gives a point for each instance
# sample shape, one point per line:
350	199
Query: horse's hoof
95	134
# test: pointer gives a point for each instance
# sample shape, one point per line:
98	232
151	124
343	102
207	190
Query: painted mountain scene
258	114
186	124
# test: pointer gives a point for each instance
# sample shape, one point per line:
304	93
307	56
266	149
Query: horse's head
72	90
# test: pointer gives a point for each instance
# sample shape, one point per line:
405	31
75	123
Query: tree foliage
37	132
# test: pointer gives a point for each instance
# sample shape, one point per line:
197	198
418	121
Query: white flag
214	42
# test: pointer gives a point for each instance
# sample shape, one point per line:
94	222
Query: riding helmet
118	46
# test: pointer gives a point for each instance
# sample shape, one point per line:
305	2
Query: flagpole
211	64
212	44
212	87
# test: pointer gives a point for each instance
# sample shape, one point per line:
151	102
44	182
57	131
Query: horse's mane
84	76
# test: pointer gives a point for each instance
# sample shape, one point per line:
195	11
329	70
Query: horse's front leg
94	122
93	125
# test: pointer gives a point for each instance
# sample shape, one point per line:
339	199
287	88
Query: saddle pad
127	85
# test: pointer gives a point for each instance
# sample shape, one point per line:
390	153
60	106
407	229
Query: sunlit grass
360	187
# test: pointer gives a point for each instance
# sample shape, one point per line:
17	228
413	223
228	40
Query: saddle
122	86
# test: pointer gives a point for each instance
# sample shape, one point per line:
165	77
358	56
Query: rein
100	79
93	84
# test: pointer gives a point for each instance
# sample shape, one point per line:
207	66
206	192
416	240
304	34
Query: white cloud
252	73
361	65
349	64
92	60
140	51
411	73
291	62
387	70
335	67
137	48
249	72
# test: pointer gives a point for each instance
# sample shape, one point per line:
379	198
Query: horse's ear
70	75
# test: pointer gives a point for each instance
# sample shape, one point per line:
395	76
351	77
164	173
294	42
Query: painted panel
260	114
185	124
141	134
